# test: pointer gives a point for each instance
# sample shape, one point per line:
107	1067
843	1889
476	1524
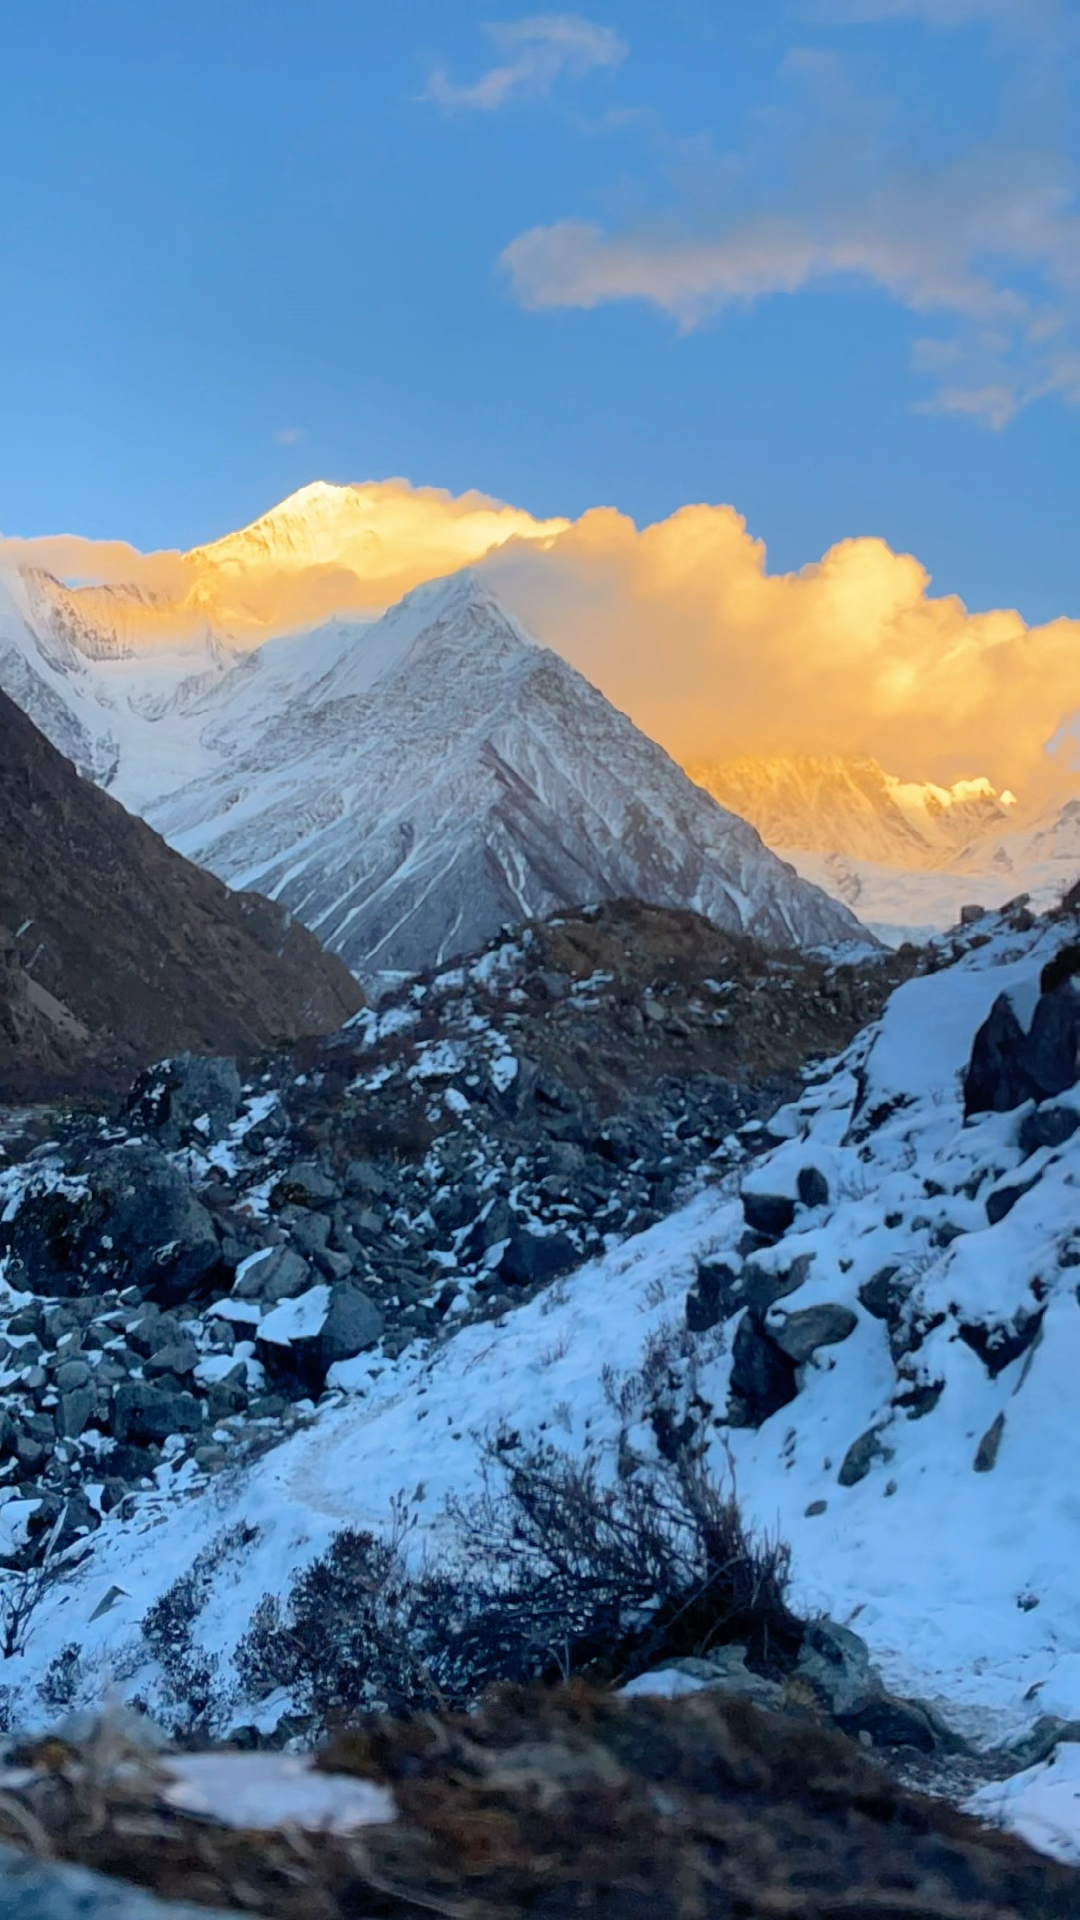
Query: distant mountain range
904	855
405	786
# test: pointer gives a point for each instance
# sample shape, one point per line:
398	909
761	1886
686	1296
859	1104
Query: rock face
114	950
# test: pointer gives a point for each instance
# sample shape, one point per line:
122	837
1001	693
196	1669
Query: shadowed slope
115	950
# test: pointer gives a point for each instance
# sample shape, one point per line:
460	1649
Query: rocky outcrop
1009	1063
114	950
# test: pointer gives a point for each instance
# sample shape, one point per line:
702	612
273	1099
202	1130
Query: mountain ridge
449	773
114	950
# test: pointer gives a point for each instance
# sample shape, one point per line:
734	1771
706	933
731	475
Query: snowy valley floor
920	1276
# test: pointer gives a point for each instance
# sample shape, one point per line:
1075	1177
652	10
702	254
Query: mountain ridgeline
404	786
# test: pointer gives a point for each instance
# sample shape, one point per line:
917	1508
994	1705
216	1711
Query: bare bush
558	1573
609	1578
22	1593
189	1674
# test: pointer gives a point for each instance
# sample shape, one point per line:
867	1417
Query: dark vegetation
558	1574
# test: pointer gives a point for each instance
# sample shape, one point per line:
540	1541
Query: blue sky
816	258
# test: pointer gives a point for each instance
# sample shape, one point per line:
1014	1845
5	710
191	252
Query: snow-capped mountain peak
447	774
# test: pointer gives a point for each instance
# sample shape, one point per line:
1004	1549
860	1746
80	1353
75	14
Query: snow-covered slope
922	1466
447	775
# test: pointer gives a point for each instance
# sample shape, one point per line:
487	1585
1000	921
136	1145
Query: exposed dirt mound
570	1803
114	950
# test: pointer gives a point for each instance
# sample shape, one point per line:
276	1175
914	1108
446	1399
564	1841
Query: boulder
1047	1126
531	1259
835	1664
768	1214
187	1100
304	1185
763	1376
986	1452
132	1219
716	1294
1008	1066
861	1456
279	1273
884	1294
178	1357
74	1411
999	1343
1001	1200
306	1336
812	1187
142	1413
804	1331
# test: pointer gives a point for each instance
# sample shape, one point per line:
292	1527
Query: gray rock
812	1187
353	1323
363	1178
310	1230
804	1331
768	1214
187	1099
71	1374
137	1221
716	1294
178	1357
763	1377
304	1184
986	1452
531	1259
74	1412
1048	1126
884	1294
836	1663
1007	1065
142	1412
280	1276
998	1344
1002	1200
861	1456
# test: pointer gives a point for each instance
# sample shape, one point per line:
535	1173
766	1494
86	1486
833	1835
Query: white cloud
537	52
989	242
289	436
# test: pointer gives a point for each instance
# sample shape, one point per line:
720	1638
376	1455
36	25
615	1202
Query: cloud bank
684	628
680	623
537	52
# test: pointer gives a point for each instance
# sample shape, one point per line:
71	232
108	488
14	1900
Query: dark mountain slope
114	950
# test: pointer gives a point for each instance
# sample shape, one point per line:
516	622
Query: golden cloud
683	627
679	623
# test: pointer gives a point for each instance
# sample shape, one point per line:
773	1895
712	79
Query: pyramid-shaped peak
377	529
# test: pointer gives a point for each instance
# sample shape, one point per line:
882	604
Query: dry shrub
558	1574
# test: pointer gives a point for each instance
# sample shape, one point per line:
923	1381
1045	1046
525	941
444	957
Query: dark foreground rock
46	1890
570	1802
1011	1063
